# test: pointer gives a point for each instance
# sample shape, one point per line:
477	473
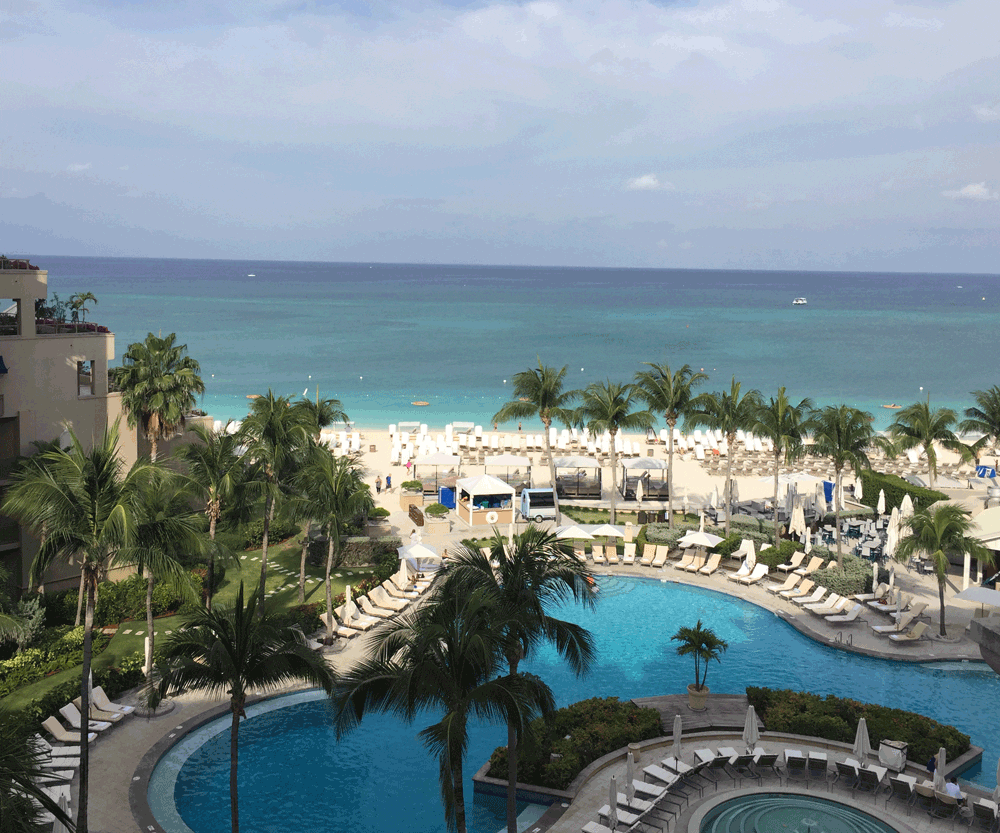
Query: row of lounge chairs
363	613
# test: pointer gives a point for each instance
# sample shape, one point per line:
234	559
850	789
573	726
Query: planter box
408	499
436	526
378	529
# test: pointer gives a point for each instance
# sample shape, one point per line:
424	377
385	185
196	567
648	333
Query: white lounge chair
790	582
628	557
759	571
793	563
393	590
817	595
712	565
339	629
828	608
73	718
696	565
880	592
611	553
804	589
104	703
658	773
383	599
742	572
597	553
353	618
912	636
648	554
372	610
62	734
99	714
851	616
660	559
814	564
896	627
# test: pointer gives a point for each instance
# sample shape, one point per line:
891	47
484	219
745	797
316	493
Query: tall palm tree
22	800
324	412
540	393
919	426
846	436
158	382
983	418
727	411
331	491
527	575
275	434
231	651
215	474
445	656
79	302
938	531
85	502
785	425
608	406
671	394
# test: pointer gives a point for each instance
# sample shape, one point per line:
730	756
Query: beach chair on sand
912	636
713	564
597	553
804	589
759	571
629	556
660	559
793	563
790	582
648	554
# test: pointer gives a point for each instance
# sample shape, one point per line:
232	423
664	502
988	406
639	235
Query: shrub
895	489
55	650
126	599
363	550
580	734
436	510
662	534
379	512
411	486
281	530
385	563
855	577
835	718
306	617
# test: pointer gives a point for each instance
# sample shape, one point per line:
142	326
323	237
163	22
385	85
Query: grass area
282	587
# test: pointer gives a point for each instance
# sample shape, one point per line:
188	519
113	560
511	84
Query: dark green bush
126	599
378	513
895	490
773	556
436	510
306	617
836	718
411	486
385	563
281	530
855	577
364	550
593	727
55	650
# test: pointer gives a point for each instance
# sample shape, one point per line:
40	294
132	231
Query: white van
537	504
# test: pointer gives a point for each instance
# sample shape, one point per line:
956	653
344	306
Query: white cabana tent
580	483
484	500
637	470
420	558
437	460
518	462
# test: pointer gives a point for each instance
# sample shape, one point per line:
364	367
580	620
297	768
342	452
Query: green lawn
282	586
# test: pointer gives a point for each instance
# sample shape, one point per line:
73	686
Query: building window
85	378
10	317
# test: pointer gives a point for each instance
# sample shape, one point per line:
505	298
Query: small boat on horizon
799	302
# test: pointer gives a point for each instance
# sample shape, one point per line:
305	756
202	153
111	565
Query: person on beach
414	536
409	465
519	426
388	483
378	485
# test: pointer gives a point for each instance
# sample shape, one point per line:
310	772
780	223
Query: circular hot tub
778	812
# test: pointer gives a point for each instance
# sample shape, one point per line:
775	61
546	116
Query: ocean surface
381	336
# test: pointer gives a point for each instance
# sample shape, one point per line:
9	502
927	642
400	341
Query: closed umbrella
996	789
751	734
734	495
59	827
892	576
701	521
751	557
809	543
880	506
862	743
713	499
859	492
630	774
906	506
675	749
613	804
638	492
939	770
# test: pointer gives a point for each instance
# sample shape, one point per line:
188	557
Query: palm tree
216	475
607	406
158	384
22	799
231	651
704	645
785	425
540	393
86	505
324	412
939	531
670	393
329	490
275	435
917	426
845	435
727	411
527	575
444	656
983	418
79	302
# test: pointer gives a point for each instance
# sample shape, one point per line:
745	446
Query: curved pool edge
698	816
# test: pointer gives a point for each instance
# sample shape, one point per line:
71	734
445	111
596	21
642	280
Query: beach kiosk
484	500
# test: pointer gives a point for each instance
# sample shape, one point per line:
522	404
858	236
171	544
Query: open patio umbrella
675	748
983	595
939	769
613	804
572	532
862	743
880	506
608	531
751	734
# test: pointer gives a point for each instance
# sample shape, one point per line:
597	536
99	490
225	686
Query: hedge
116	602
578	734
58	649
836	718
253	533
855	577
895	489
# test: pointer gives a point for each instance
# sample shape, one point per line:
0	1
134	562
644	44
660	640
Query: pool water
292	768
779	812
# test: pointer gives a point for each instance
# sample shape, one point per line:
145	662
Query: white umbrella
899	606
573	532
880	506
734	493
701	521
713	499
809	543
751	734
906	506
862	743
751	557
638	492
59	827
675	749
630	774
996	789
859	492
608	531
700	539
892	576
939	770
613	804
983	595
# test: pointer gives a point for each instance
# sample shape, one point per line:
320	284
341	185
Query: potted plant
437	518
705	645
411	493
378	522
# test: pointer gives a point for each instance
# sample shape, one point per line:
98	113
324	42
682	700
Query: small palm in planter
706	646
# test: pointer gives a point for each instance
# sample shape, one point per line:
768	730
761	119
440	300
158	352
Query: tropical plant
216	476
528	576
158	382
936	532
540	393
845	435
785	425
276	434
444	656
608	406
232	651
671	394
918	426
329	490
983	418
323	412
78	302
704	645
729	412
86	505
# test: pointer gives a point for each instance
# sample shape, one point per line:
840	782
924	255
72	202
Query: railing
49	327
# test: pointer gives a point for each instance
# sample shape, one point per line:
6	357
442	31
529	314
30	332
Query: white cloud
648	182
987	112
973	191
77	167
897	21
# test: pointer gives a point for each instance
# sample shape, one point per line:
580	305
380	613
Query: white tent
484	500
422	558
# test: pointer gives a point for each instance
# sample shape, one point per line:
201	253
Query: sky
763	134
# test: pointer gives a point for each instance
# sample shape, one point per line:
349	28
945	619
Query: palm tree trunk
931	466
836	512
88	630
941	581
614	476
211	562
459	789
329	589
302	570
776	499
512	752
729	484
149	624
234	755
79	598
670	473
552	470
268	511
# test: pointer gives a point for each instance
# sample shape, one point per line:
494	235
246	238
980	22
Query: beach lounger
383	599
648	554
629	555
658	773
817	595
685	562
393	590
649	791
595	827
814	564
712	565
611	554
409	589
372	610
354	619
793	563
660	559
636	805
851	616
830	608
339	629
625	818
742	572
104	702
916	610
62	734
759	571
912	636
696	565
597	553
881	592
99	714
790	582
73	718
804	589
895	627
580	553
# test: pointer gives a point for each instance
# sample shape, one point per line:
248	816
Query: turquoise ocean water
380	336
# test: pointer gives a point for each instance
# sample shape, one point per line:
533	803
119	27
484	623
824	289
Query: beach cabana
484	500
420	558
638	470
521	477
437	460
578	477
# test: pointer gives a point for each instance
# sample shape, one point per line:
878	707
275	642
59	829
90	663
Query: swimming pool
783	811
381	773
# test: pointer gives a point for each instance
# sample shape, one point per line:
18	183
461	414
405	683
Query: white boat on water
799	302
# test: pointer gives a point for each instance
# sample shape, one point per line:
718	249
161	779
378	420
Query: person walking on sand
388	483
519	426
409	465
378	485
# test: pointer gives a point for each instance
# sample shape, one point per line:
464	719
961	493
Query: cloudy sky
860	134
